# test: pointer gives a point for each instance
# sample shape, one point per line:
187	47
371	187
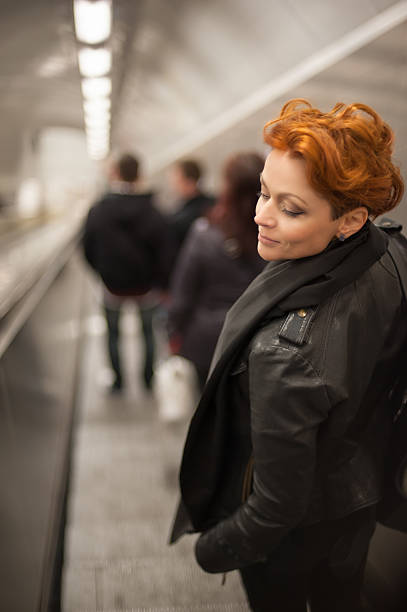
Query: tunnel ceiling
376	75
177	64
191	61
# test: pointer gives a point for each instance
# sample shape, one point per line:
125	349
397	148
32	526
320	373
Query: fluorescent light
98	142
97	105
97	115
98	127
101	128
98	152
98	149
94	62
96	88
96	123
99	146
97	139
93	20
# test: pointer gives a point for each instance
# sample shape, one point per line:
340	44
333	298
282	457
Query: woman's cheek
295	230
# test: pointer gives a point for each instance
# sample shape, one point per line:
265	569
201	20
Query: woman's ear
351	222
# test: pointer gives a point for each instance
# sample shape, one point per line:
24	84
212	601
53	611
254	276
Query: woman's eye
292	213
260	194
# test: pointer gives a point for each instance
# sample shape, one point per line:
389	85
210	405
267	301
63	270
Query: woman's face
294	220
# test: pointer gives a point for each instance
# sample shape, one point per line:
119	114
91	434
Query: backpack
392	509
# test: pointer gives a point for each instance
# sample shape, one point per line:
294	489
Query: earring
342	237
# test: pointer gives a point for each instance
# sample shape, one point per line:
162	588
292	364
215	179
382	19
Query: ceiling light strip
93	20
94	62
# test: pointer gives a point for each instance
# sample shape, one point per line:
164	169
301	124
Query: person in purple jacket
216	264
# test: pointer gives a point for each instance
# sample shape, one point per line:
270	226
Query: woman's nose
264	216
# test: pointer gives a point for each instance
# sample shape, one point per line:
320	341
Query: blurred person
129	243
3	205
218	261
283	464
185	176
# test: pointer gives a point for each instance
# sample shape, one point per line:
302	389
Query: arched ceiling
192	62
187	72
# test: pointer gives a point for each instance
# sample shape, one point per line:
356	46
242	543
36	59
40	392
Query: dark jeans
323	564
113	326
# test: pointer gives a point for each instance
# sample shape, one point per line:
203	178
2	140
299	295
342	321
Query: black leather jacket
314	386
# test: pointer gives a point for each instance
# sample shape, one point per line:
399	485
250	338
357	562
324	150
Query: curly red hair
347	152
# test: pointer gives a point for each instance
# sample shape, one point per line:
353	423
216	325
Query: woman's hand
214	555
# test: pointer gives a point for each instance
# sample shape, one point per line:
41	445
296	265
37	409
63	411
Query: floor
122	498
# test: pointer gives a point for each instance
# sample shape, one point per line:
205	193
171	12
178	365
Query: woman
283	463
217	263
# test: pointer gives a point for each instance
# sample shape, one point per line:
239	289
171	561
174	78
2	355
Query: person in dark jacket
129	243
193	203
216	264
283	464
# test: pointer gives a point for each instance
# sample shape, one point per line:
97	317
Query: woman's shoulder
350	326
203	234
203	228
285	335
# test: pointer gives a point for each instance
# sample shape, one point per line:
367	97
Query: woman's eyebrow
292	195
285	194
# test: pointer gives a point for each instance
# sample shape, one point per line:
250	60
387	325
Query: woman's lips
267	241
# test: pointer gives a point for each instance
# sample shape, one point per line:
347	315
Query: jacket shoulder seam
331	311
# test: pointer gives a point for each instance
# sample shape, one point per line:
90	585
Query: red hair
347	153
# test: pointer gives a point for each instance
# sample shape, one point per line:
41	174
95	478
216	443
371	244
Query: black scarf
281	287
